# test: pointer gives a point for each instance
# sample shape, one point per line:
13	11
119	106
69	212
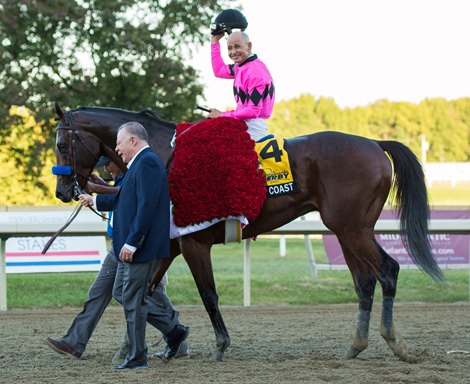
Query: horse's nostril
62	197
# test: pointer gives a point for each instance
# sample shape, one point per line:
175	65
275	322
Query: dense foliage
444	124
130	54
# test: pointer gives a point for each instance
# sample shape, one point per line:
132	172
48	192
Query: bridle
71	170
74	136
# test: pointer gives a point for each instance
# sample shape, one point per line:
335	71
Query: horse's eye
63	148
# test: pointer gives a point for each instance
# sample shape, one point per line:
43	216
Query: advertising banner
66	254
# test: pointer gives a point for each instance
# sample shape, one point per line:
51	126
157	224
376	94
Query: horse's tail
412	204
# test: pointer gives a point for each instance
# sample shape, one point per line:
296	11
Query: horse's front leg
163	265
196	252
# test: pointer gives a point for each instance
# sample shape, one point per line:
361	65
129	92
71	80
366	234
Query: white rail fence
452	173
88	224
23	223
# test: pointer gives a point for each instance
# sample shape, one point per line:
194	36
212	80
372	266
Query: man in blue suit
140	235
161	313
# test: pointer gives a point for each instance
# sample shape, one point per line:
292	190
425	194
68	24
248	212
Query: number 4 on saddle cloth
274	161
216	175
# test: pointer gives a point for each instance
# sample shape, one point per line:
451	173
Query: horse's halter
67	170
73	135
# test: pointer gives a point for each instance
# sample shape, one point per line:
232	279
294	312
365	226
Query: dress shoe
127	366
179	355
174	339
62	347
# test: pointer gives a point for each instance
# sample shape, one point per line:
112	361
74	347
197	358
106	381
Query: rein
61	229
67	223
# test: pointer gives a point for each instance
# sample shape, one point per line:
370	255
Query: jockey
253	85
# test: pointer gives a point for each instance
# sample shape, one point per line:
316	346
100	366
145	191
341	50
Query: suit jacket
141	209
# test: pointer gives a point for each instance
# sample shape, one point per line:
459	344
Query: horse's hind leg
364	285
197	255
388	277
368	263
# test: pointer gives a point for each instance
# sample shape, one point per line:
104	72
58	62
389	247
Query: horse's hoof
352	353
409	359
221	347
401	351
217	355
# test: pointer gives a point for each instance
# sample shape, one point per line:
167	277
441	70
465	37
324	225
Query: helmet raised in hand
228	20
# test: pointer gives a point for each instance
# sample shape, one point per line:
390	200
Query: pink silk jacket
253	86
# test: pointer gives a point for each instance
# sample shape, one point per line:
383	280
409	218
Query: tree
121	53
449	132
130	54
295	117
22	184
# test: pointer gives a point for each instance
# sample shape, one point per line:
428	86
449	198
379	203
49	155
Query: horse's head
88	132
77	152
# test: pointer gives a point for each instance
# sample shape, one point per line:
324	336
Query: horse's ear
59	112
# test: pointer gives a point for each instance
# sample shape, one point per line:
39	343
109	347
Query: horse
346	178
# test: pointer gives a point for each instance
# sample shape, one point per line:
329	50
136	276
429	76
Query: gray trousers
130	289
161	313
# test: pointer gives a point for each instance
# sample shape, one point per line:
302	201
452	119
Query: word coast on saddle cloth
215	173
274	160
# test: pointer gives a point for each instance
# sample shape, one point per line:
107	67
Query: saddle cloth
274	161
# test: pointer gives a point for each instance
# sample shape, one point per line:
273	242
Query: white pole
310	255
282	245
3	276
424	149
246	273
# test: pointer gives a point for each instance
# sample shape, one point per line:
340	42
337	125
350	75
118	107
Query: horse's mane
147	113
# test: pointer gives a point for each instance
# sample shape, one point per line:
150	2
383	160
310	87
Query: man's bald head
238	35
238	46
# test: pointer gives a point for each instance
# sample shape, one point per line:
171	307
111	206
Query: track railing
89	224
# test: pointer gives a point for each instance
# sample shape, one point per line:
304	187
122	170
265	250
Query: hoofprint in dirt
275	344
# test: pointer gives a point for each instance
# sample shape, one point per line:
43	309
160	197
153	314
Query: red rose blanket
215	172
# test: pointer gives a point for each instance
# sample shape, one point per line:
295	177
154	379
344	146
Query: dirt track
286	344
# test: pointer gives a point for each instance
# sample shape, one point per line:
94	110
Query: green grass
275	280
442	194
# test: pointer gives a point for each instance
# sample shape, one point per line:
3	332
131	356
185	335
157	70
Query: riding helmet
227	20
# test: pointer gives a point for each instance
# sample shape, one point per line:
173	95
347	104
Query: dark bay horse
346	178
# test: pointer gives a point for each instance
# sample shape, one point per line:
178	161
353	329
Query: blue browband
61	170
